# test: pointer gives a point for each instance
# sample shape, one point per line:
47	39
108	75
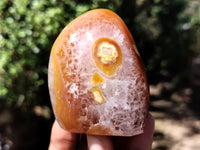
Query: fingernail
99	142
94	143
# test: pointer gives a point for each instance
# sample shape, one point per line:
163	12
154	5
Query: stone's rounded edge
107	68
65	121
51	90
101	131
50	81
106	132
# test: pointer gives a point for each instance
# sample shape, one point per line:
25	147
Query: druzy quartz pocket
97	81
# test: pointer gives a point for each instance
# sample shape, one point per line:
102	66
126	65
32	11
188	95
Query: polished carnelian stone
97	81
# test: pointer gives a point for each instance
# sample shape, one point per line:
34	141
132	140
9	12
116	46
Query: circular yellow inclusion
107	55
107	52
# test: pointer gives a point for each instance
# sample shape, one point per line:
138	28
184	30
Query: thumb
99	142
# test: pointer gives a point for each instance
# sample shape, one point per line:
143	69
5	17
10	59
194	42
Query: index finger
62	139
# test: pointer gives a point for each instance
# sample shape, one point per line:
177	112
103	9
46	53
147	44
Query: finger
144	141
62	139
99	142
138	142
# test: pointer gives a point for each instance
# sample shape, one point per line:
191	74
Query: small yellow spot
97	79
97	94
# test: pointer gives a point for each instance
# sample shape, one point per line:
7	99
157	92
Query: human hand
65	140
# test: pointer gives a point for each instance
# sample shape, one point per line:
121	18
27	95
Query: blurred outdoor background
166	32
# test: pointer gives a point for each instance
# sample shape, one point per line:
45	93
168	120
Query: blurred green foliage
27	32
164	32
